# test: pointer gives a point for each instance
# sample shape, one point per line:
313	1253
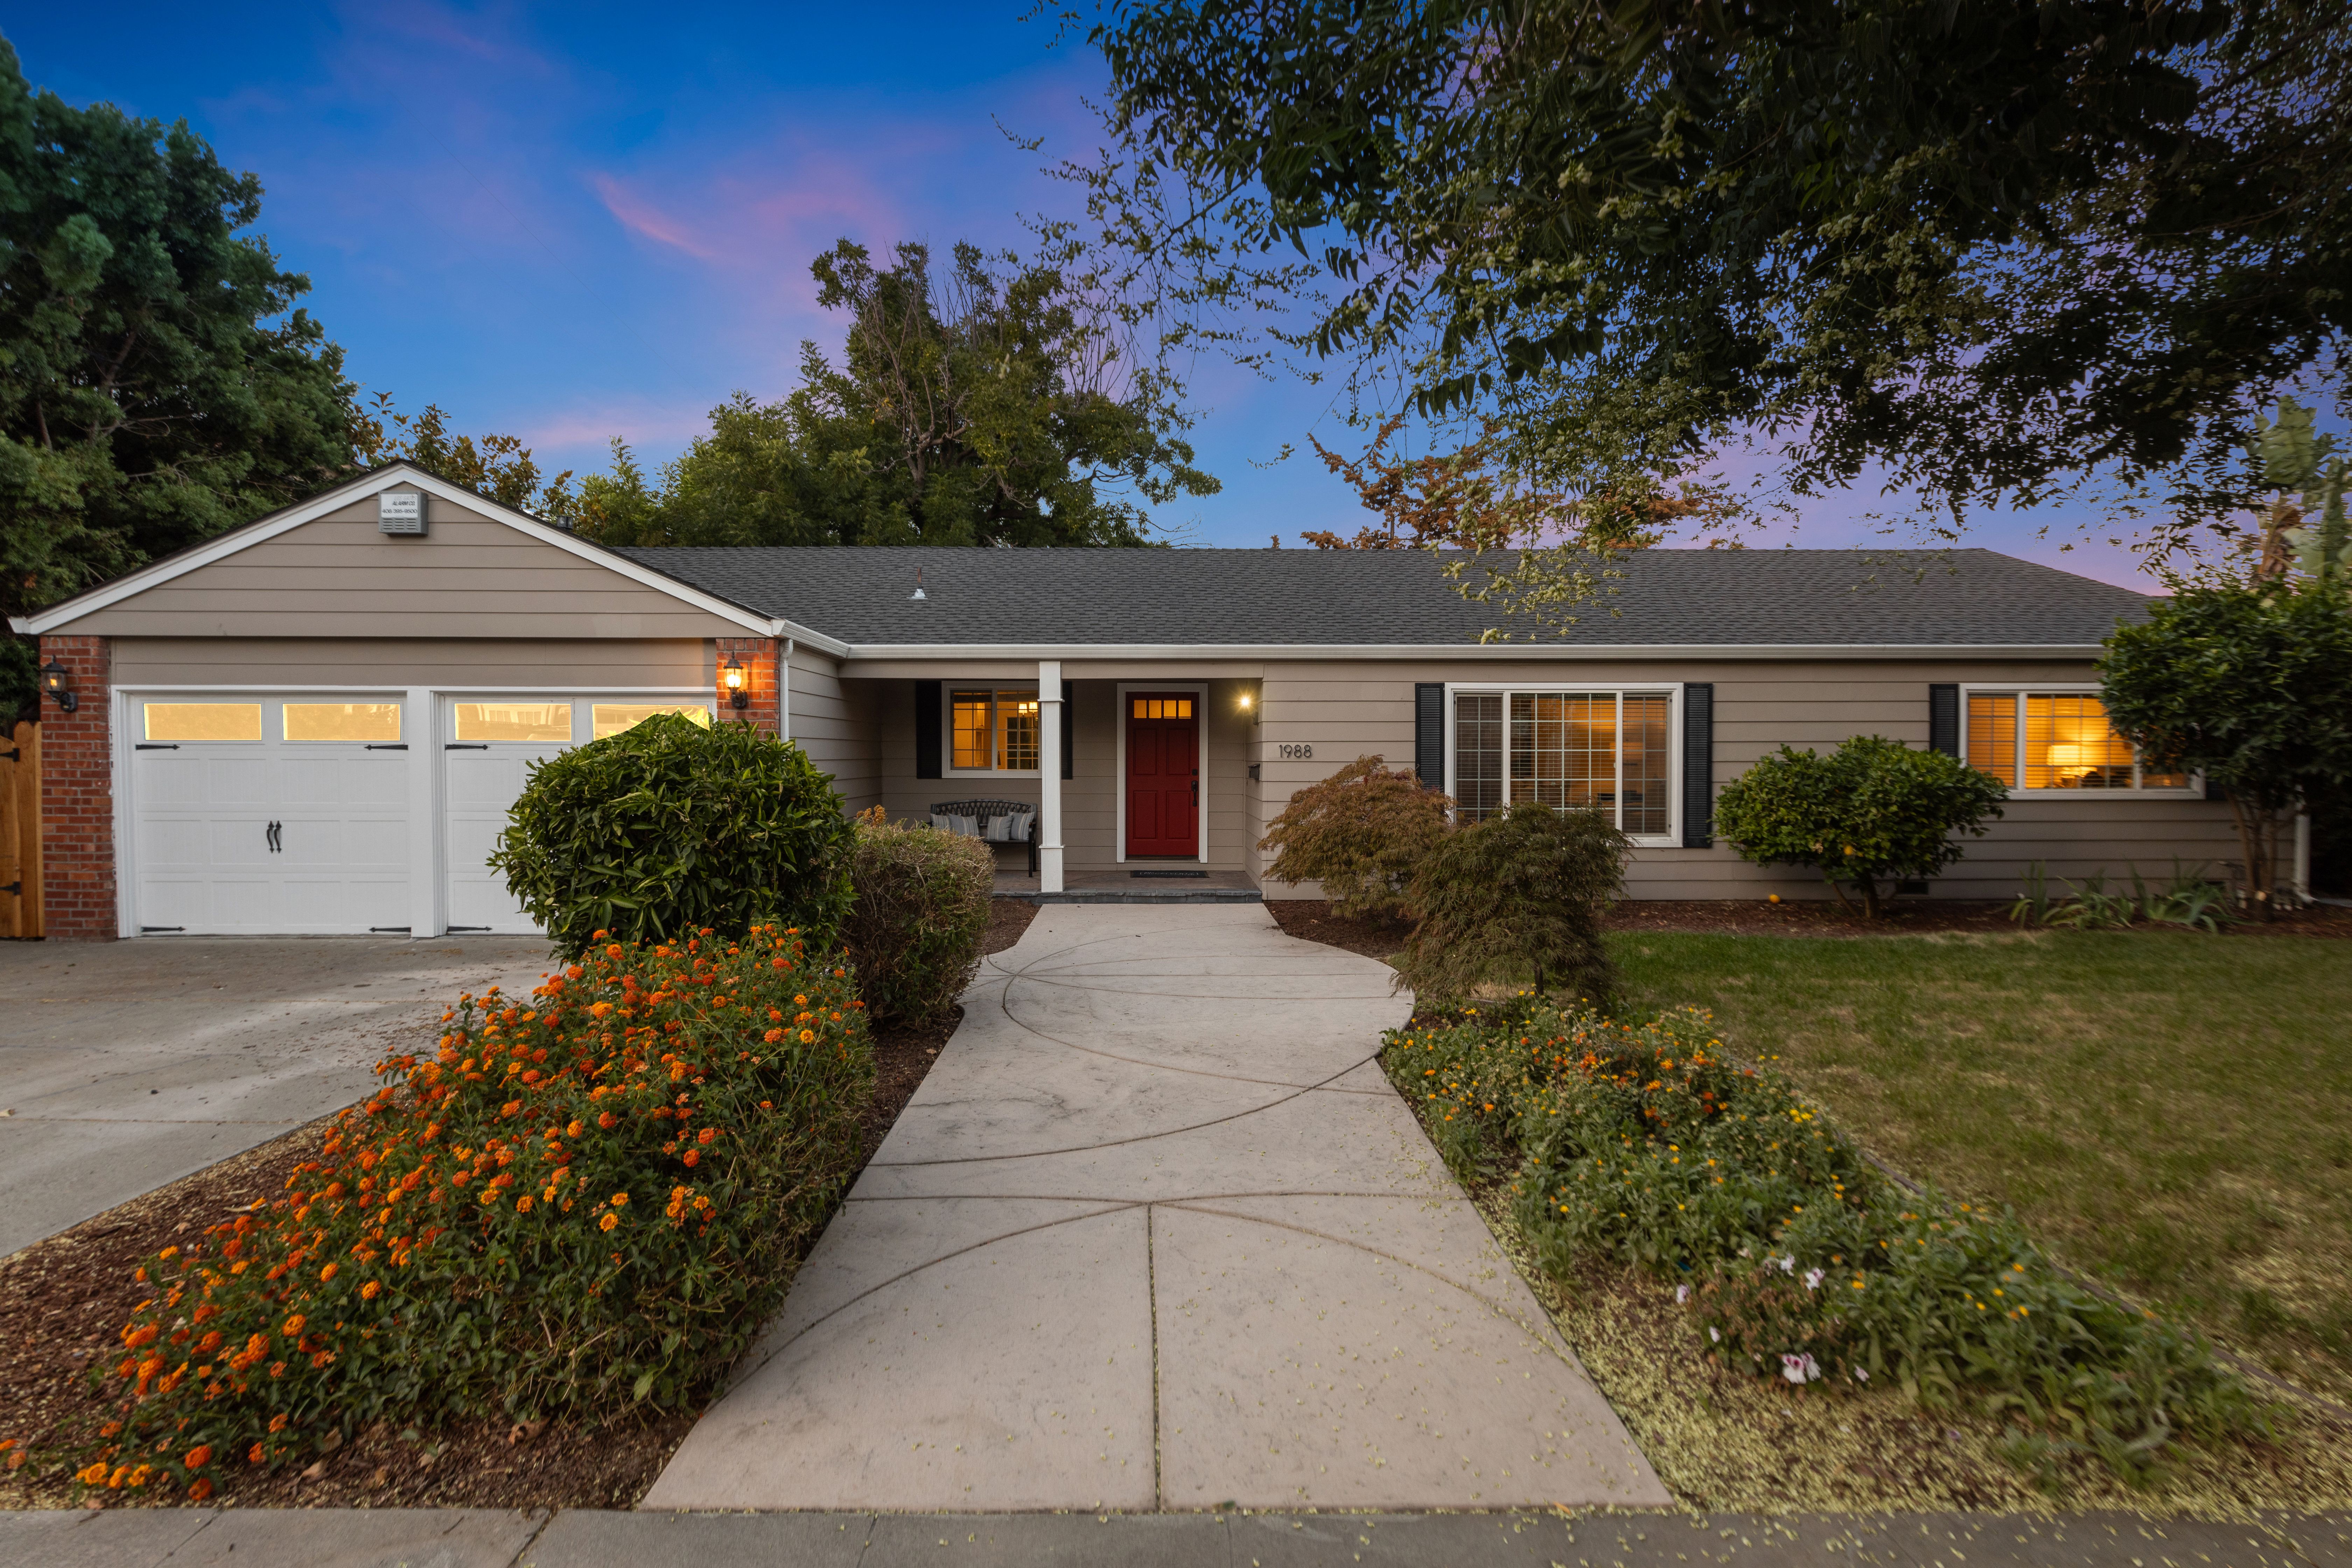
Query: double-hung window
992	730
2035	741
1611	752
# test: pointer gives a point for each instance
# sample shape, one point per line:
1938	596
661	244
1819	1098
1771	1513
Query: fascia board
1484	652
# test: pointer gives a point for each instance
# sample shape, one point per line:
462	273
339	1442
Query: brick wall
78	796
761	670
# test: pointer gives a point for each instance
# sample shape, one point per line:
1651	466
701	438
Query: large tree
157	384
991	401
1984	246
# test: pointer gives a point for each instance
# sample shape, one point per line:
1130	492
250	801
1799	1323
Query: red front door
1164	774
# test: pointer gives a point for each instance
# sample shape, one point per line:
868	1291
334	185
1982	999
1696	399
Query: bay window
1609	752
2034	741
992	730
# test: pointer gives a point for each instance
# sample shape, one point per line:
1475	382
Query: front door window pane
1478	754
1645	754
1992	734
2070	745
514	722
374	722
204	721
612	718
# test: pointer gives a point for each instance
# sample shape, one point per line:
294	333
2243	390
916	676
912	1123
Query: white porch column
1049	775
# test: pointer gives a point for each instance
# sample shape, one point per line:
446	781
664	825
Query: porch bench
991	821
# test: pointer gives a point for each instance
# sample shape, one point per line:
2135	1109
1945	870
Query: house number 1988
1298	751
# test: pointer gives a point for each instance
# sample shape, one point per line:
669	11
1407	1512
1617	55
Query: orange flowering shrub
584	1200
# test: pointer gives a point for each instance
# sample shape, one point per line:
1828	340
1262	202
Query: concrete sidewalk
130	1064
1155	1233
399	1538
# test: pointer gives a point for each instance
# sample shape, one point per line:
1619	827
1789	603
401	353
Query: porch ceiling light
54	678
732	679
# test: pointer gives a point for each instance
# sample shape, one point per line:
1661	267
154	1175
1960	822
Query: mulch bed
1313	919
64	1300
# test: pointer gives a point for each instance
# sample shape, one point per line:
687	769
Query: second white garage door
490	745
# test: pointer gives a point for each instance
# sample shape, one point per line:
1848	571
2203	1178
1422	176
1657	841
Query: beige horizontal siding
442	663
833	727
468	577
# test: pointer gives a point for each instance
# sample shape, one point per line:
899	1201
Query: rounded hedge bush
668	827
918	908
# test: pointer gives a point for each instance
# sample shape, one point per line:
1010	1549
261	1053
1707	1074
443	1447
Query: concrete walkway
130	1064
1157	1234
465	1537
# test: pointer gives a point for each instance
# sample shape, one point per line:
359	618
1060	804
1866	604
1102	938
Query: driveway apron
1157	1233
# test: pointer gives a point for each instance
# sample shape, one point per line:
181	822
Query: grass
2168	1112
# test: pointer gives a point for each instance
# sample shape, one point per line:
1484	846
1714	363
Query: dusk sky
579	222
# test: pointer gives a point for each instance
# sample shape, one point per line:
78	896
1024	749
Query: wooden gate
20	831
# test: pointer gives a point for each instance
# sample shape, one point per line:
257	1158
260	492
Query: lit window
204	721
540	722
2054	741
992	731
1596	751
376	722
612	718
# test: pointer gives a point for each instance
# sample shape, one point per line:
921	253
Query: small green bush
919	906
1798	1259
668	827
575	1202
1517	897
1870	810
1361	833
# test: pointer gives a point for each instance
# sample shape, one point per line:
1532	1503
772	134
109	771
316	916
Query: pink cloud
640	217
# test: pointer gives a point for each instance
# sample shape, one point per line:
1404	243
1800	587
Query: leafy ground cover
2169	1113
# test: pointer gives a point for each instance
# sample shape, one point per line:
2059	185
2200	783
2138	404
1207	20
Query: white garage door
490	746
270	815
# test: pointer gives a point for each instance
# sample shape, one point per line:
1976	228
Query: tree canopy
1984	248
992	400
157	382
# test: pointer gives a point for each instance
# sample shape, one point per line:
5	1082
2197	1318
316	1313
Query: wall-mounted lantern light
732	678
54	677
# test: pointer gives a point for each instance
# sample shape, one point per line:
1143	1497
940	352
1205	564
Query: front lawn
2169	1112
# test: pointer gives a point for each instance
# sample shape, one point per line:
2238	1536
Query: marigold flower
773	1035
200	1488
90	1475
369	1291
199	1456
608	1222
693	1157
620	1200
254	1456
808	1037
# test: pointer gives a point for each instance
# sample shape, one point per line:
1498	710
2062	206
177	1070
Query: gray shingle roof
1317	597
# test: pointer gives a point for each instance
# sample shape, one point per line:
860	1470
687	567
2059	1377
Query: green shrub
1518	896
668	827
1870	810
574	1204
1361	832
1799	1259
919	906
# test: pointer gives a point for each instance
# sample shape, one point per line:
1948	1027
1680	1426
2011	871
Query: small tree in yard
1870	810
1515	896
1361	832
2250	685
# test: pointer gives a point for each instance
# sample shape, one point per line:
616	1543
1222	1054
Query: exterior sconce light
53	681
732	678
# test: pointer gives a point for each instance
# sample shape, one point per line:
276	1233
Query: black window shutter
2215	792
1699	766
1944	720
1069	728
927	729
1429	733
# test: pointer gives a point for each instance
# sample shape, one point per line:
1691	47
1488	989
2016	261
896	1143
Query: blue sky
569	223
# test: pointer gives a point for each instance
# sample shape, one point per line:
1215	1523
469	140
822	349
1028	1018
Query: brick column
760	657
77	795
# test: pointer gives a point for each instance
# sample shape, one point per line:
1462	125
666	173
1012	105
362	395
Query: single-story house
316	722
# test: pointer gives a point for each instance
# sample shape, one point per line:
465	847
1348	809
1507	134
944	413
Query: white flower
1745	1253
1800	1369
1787	1265
1714	1335
1814	1278
1861	1374
1682	1295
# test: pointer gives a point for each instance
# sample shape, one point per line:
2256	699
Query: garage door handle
402	746
466	746
270	833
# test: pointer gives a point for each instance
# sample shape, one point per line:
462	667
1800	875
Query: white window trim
2193	790
1672	691
1199	691
948	769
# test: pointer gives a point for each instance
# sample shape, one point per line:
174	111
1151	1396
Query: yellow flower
608	1222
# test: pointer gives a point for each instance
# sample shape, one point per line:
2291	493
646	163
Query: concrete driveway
127	1065
1157	1234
